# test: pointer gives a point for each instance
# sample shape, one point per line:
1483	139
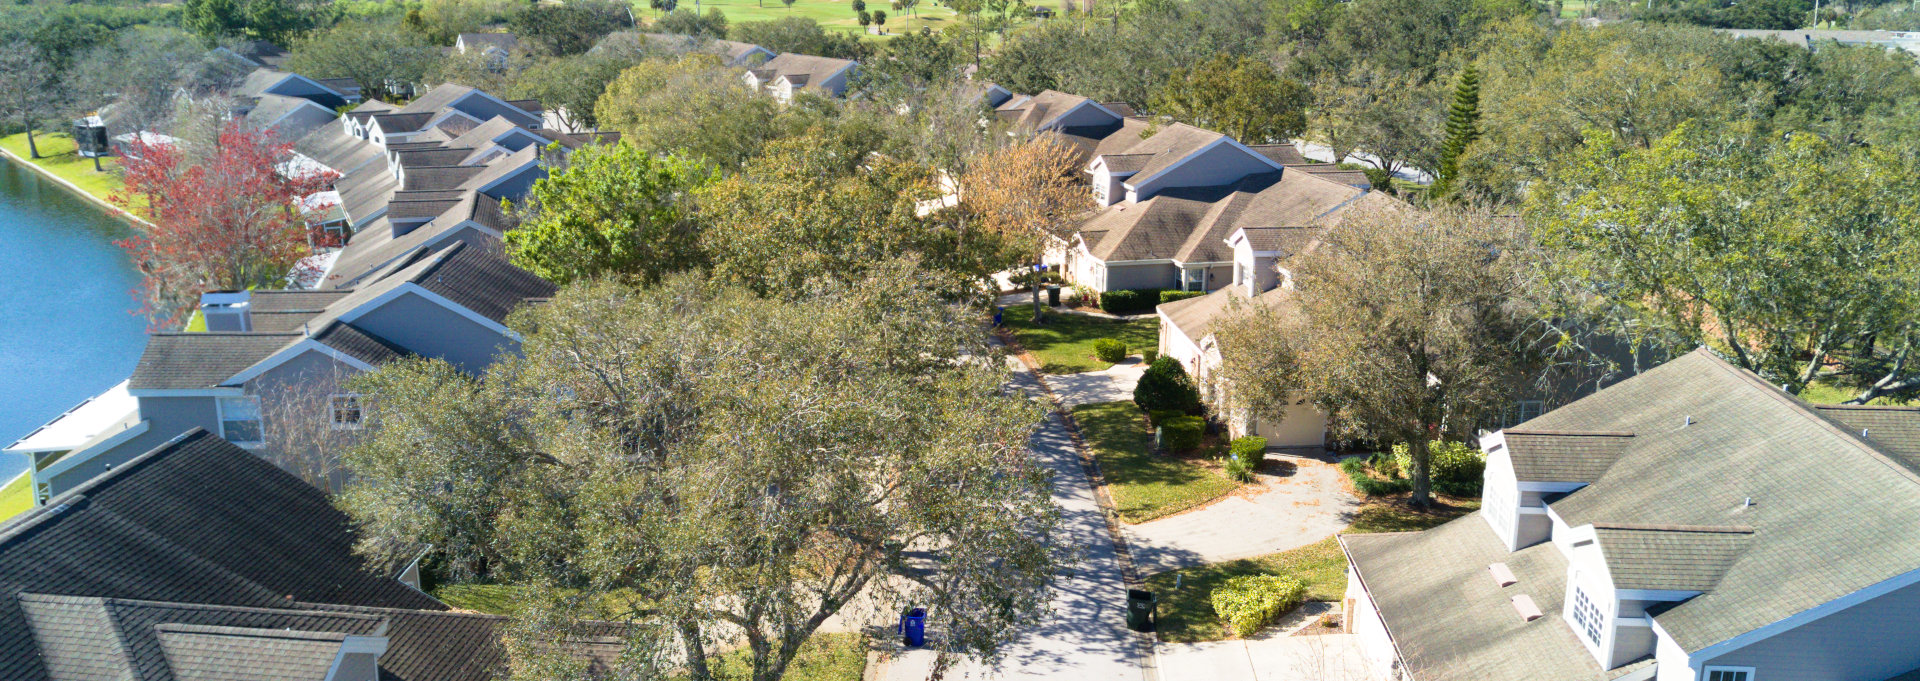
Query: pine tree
1463	127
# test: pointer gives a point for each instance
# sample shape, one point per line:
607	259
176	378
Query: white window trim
220	416
333	411
1707	672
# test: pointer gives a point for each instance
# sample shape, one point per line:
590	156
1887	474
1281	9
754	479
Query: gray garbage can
1053	295
1140	607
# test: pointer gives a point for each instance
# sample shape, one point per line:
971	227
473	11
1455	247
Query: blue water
68	323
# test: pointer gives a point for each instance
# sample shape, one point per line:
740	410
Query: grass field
57	156
16	497
834	15
1064	344
1186	614
1144	485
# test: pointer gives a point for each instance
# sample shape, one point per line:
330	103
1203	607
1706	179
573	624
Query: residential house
731	52
496	47
1090	127
1170	201
271	364
788	74
1692	523
331	93
258	53
198	560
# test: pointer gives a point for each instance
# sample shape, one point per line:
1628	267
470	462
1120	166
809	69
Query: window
1193	280
240	419
1587	615
1523	411
1727	674
344	411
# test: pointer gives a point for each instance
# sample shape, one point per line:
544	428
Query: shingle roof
1450	621
1669	558
1708	438
359	344
191	361
1560	456
197	520
1191	224
1166	147
290	300
442	178
402	121
801	69
1283	154
82	637
481	281
1195	317
481	41
202	653
1895	429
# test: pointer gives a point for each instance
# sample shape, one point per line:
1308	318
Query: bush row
1251	602
1129	301
1356	470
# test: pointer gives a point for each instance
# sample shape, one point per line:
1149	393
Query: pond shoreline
105	205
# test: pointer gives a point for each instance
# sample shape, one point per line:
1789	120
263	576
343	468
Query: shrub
1085	295
1182	433
1367	484
1170	296
1149	355
1166	386
1161	416
1109	350
1250	451
1129	301
1456	468
1238	469
1250	602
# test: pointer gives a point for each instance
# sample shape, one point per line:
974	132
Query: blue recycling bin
999	314
913	627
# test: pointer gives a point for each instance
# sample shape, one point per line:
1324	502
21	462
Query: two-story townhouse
1692	523
788	74
198	560
256	374
1170	201
331	93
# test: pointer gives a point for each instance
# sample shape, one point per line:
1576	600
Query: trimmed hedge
1165	386
1250	602
1148	356
1129	301
1182	433
1109	350
1250	451
1170	296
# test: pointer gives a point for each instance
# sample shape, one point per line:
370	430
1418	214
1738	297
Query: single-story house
789	73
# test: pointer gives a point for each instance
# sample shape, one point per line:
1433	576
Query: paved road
1085	635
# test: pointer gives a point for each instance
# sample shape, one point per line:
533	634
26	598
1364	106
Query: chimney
227	310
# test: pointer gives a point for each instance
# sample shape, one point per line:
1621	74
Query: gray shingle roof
203	653
1192	224
801	69
82	637
481	41
197	520
1195	317
191	361
1669	558
1283	154
1555	456
1708	437
1895	429
1451	621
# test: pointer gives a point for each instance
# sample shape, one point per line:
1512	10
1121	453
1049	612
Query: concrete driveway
1301	501
1112	384
1273	655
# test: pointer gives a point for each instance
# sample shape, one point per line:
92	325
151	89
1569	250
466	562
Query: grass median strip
1144	485
1186	614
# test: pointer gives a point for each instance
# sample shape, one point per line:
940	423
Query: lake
68	323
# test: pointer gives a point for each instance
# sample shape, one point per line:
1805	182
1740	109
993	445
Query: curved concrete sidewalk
1112	384
1300	508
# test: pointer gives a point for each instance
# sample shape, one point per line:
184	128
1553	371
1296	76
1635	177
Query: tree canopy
712	468
613	211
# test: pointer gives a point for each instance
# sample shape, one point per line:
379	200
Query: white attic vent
1501	575
1524	605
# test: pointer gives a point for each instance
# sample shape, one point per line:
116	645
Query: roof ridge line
1656	527
1804	409
1587	433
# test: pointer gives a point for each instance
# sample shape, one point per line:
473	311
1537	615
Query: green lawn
1144	485
57	156
17	497
825	657
1186	614
1064	343
833	15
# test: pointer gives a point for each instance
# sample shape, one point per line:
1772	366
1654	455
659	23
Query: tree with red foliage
227	220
